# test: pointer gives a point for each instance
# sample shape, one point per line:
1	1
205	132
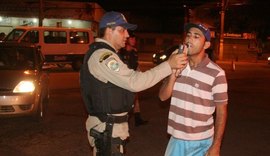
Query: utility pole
221	39
41	13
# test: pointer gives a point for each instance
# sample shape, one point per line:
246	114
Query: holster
105	144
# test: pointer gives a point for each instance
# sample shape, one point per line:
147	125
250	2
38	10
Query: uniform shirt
112	69
195	94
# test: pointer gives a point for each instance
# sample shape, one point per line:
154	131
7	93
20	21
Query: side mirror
46	66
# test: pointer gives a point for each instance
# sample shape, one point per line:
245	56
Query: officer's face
119	37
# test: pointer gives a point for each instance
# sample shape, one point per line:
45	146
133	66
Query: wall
238	49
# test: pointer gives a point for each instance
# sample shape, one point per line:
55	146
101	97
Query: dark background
167	16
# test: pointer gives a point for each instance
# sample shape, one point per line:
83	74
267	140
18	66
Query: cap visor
129	26
190	25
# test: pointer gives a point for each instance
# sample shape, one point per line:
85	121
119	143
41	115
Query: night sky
167	16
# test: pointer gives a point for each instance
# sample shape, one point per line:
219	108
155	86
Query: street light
41	13
221	39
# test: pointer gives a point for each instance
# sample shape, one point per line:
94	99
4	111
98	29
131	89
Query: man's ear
108	33
207	44
109	30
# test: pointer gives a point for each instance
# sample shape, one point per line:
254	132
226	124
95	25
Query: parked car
59	45
163	55
23	84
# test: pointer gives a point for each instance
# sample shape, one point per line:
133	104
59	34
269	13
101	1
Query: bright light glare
69	22
24	87
268	58
163	57
35	20
154	55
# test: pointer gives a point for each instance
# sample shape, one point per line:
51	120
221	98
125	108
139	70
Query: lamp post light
41	12
221	39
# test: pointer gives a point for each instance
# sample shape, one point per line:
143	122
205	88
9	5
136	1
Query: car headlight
163	57
24	87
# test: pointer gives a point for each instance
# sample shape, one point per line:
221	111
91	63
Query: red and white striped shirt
195	94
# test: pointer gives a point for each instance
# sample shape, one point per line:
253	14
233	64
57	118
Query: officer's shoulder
110	60
104	56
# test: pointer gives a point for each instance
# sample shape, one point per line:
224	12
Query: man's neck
195	60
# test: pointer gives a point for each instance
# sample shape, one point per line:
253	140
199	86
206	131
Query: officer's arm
108	67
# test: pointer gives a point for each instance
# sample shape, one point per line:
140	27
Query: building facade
49	13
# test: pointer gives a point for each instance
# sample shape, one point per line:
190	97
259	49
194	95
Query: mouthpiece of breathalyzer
181	47
180	50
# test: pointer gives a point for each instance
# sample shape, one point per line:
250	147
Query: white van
58	44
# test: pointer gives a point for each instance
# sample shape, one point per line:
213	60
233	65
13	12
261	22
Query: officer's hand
178	61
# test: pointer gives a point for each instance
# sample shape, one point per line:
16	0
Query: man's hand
213	151
178	61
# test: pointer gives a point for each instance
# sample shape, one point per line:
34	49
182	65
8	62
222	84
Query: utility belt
111	118
105	144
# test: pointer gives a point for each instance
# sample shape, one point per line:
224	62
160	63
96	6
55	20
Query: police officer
108	85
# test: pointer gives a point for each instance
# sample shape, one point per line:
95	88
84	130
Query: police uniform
113	70
106	67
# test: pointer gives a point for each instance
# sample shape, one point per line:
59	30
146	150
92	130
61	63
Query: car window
79	37
55	37
17	58
15	35
31	37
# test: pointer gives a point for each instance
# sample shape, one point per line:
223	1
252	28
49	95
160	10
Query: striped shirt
195	94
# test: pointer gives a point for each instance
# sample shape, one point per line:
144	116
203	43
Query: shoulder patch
112	64
104	56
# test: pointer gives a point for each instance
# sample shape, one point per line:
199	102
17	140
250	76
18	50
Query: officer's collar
105	41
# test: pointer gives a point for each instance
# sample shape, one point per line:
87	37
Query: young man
199	91
129	56
108	85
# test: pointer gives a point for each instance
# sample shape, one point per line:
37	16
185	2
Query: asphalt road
63	133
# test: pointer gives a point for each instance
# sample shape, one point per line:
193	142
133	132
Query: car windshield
14	35
16	58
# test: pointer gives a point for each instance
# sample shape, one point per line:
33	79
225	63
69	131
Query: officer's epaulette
104	56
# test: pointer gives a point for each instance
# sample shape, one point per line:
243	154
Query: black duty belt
112	118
